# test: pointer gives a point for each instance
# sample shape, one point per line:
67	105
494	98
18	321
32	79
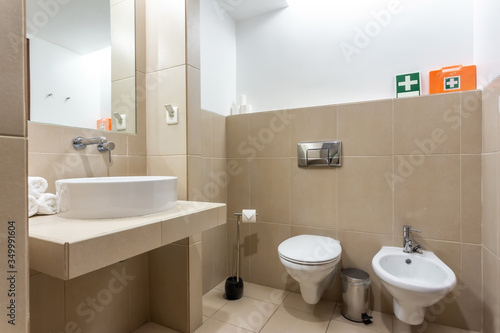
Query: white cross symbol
407	83
452	83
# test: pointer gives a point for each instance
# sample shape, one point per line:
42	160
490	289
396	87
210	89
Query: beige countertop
67	248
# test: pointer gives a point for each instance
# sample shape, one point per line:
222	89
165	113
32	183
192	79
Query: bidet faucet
408	242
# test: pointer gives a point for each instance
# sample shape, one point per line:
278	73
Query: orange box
104	124
452	78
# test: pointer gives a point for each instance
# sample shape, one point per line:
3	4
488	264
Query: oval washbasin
113	197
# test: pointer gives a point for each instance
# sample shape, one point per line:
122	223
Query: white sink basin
113	197
414	280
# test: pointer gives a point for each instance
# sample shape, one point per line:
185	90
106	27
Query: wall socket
172	114
121	125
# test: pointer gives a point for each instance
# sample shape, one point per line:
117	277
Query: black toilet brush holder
234	284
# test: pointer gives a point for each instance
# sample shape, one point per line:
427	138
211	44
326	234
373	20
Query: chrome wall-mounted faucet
408	242
103	145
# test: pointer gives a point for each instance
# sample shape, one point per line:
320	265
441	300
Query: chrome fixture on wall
103	145
322	153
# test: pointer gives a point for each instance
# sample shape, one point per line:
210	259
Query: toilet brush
234	284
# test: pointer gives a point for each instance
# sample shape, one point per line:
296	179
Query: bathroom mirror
82	63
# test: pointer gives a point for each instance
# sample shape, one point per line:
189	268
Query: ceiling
244	9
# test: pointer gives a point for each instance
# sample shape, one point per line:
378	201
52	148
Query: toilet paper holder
321	153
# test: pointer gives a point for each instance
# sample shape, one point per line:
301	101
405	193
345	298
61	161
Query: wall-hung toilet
312	261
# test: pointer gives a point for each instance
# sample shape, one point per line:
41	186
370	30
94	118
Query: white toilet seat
307	263
310	250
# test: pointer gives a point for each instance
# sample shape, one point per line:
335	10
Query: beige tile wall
413	161
210	184
14	280
52	156
491	216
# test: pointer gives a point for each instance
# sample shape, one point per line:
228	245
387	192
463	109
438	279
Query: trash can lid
354	275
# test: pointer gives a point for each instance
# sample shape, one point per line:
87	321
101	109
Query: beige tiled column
13	151
173	77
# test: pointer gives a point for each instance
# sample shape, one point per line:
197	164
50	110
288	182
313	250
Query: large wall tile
139	291
366	128
427	197
140	35
166	34
136	144
470	198
220	180
270	189
238	143
46	316
122	40
206	133
468	293
12	67
195	177
491	295
194	125
310	188
193	33
266	268
490	201
490	118
365	195
425	125
312	124
163	139
168	286
238	190
13	214
52	138
471	121
218	136
356	256
170	166
99	301
270	133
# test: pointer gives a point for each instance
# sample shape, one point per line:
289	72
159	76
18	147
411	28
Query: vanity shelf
67	248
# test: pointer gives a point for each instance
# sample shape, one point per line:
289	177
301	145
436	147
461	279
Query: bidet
415	281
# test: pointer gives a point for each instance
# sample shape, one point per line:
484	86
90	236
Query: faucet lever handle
415	230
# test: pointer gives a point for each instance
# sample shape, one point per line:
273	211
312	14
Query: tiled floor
267	310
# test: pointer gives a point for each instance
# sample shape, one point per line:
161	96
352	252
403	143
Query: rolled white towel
32	205
37	186
47	203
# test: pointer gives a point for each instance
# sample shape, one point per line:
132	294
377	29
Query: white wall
487	40
64	73
218	58
320	52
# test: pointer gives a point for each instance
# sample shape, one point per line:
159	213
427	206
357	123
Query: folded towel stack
40	202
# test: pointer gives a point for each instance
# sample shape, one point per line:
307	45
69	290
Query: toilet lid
310	249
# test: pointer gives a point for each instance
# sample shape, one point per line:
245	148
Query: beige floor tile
381	322
263	293
205	318
428	328
291	321
350	327
213	301
153	328
246	313
323	308
215	326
